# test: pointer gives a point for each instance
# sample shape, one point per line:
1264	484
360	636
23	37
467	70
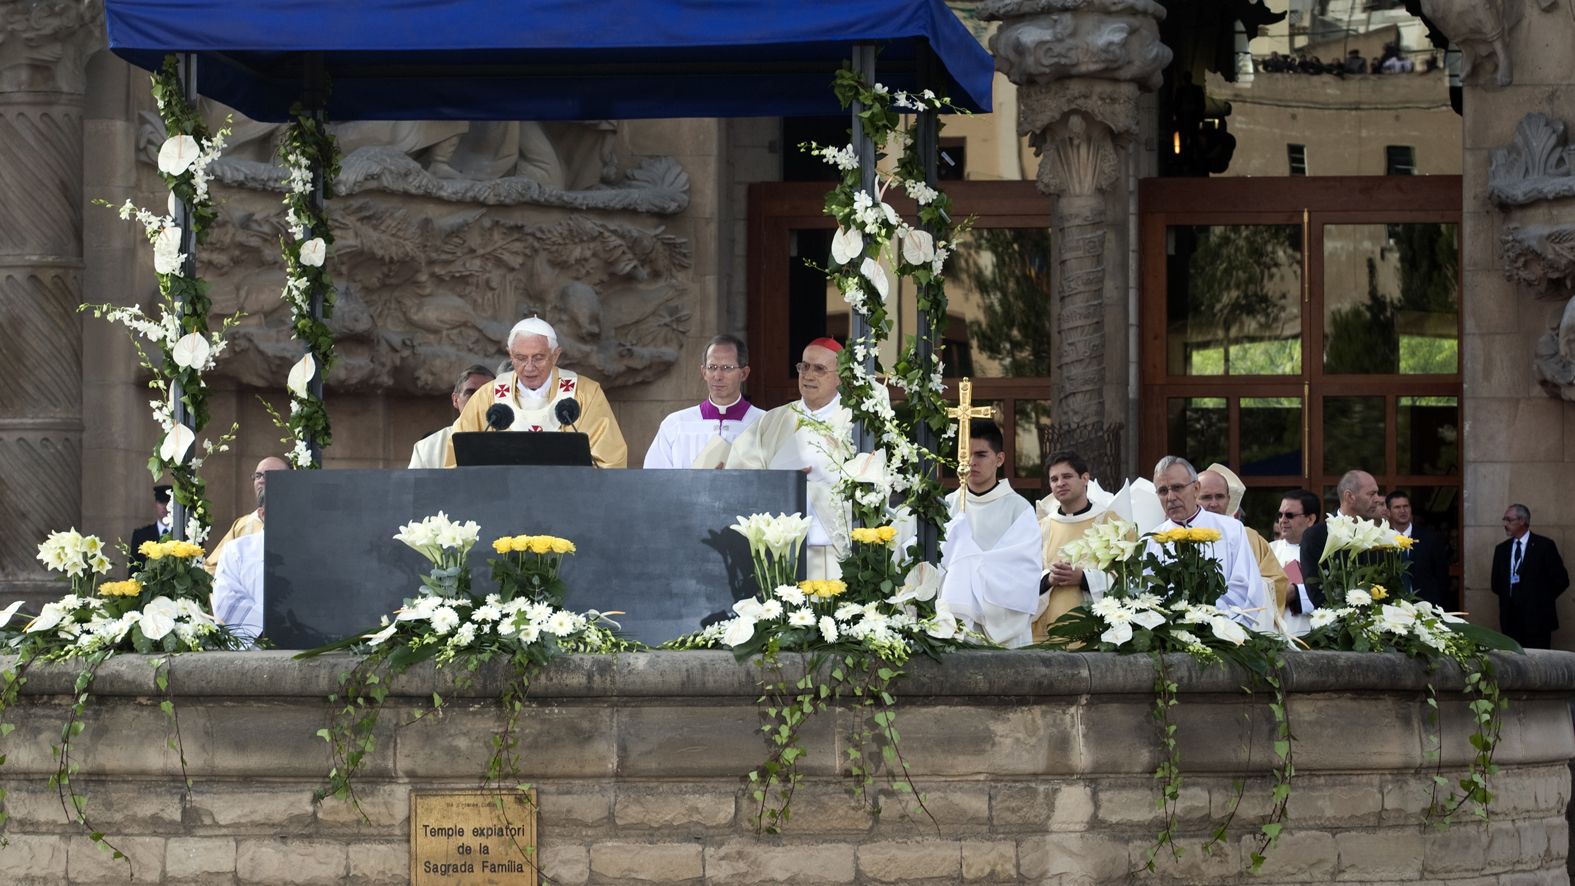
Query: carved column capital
45	44
1043	41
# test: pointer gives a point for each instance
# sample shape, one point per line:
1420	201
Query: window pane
1353	435
1233	299
998	297
1391	303
1271	436
1199	429
1427	436
1032	417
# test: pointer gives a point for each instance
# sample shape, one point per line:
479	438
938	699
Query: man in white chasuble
1076	505
1176	484
993	555
701	436
813	435
535	388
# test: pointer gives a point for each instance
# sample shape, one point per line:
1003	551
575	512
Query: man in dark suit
1429	557
151	532
1359	498
1528	577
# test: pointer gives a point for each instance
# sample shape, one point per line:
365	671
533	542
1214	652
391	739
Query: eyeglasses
258	475
532	360
719	367
1163	491
813	368
1287	515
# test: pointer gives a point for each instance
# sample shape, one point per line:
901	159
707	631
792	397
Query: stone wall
1519	442
1036	766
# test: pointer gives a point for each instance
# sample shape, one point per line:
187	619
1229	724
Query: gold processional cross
965	412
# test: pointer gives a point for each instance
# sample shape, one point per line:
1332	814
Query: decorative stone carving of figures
44	44
586	343
1477	28
1555	357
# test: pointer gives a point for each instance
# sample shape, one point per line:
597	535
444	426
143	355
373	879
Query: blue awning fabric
548	59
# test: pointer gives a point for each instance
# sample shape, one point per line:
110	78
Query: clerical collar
836	400
712	412
1194	518
987	491
1080	511
534	393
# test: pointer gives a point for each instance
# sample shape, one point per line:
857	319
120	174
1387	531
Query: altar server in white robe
815	435
701	436
428	451
1176	483
993	555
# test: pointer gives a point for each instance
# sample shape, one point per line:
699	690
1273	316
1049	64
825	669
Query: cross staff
965	412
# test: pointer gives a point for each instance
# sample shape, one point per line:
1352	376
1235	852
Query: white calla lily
177	443
177	154
7	613
191	351
301	375
166	251
846	245
313	252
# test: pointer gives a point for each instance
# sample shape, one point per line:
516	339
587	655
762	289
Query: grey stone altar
1036	765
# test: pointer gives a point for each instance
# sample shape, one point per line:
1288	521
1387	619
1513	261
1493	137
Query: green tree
1009	269
1231	274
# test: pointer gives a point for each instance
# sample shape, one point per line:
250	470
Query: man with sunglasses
812	434
1299	510
701	436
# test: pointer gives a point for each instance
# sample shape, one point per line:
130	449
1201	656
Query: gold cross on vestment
965	412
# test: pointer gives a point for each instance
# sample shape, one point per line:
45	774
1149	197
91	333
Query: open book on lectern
477	448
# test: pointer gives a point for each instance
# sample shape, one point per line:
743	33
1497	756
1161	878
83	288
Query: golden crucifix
965	412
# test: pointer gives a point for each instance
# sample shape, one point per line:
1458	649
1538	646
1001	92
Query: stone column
43	44
1079	66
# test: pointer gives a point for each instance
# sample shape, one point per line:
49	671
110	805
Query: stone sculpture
1477	28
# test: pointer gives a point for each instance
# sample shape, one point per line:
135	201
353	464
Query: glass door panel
1390	299
1354	435
1427	436
1271	437
1199	428
1233	299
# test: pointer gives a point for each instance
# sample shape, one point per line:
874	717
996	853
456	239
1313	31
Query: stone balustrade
1037	767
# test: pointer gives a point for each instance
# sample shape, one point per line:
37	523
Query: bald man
250	522
1220	491
1359	499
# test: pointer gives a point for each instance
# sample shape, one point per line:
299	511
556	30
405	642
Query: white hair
1168	461
534	325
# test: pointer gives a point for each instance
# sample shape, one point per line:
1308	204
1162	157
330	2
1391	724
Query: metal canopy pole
186	69
864	148
316	100
927	138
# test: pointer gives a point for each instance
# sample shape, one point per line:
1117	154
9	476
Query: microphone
567	411
499	417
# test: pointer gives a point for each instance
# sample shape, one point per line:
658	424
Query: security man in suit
151	532
1528	577
1428	557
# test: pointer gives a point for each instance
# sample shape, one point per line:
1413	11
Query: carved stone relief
1555	357
1478	29
424	291
1045	40
1537	165
44	44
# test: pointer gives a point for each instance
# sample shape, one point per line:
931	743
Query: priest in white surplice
701	436
1176	484
428	451
813	435
993	555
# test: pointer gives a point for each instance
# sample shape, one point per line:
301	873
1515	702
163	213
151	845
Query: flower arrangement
307	147
774	546
523	623
184	347
162	609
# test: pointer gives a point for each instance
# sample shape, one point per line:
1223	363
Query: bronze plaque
473	838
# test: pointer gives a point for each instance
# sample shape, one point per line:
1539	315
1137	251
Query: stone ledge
1019	674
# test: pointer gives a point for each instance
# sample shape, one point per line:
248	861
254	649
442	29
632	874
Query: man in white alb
1176	484
993	555
701	436
428	451
238	582
815	435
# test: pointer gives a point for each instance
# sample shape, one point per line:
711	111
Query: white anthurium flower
750	608
47	617
177	443
313	252
921	585
383	635
1228	630
158	618
944	625
738	632
166	251
301	376
191	351
7	613
1149	619
918	247
871	270
177	154
846	245
1117	634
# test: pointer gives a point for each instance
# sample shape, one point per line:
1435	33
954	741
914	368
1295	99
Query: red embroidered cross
535	427
565	384
500	392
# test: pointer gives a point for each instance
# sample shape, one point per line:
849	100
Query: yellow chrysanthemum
822	588
887	533
1203	535
503	545
1404	542
1377	592
1170	535
128	588
562	546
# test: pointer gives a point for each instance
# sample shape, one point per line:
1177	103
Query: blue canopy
549	59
